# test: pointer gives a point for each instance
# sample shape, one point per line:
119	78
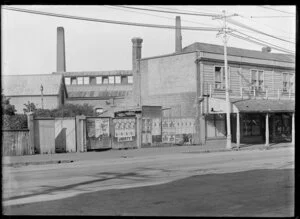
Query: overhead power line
255	30
271	16
266	43
259	43
109	21
277	10
170	18
171	12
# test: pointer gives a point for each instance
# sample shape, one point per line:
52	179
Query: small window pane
99	80
124	80
86	80
80	80
111	79
118	79
105	80
130	79
67	81
73	81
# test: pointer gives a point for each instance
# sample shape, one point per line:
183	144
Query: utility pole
228	104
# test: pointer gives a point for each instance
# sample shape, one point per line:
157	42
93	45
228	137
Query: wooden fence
16	143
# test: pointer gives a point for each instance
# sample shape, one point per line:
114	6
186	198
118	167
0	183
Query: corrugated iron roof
22	85
95	73
212	48
255	105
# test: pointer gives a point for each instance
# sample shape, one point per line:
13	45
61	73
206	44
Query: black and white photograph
148	110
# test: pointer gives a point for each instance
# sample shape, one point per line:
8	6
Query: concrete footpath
211	146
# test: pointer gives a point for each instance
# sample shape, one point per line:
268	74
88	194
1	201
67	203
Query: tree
29	107
7	108
67	110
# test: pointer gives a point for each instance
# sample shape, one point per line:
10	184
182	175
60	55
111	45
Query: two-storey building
191	83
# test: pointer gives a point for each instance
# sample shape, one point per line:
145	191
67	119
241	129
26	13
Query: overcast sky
29	40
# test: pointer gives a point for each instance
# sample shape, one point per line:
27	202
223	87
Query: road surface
33	184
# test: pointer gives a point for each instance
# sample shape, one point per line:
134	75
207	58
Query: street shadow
105	176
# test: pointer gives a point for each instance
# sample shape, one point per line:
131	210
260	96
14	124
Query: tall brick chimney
61	55
136	55
178	37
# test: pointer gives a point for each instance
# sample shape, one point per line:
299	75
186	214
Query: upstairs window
73	80
86	80
105	80
288	81
118	79
111	79
130	79
220	77
124	80
257	80
99	80
67	81
79	80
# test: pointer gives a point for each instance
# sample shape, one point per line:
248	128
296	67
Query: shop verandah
255	121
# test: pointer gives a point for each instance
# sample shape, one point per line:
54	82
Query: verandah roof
264	105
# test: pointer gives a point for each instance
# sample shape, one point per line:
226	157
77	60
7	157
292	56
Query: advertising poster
156	126
97	128
124	129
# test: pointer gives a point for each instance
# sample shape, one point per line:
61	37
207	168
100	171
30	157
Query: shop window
257	80
220	77
288	81
73	80
86	80
118	79
67	81
79	80
216	126
99	80
130	79
105	80
252	125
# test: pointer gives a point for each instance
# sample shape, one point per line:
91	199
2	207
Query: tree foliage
67	110
7	108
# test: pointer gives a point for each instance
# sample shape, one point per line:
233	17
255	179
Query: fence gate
124	133
65	135
44	136
98	135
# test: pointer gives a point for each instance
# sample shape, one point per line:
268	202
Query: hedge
18	121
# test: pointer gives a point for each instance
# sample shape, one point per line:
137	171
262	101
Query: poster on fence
90	128
124	129
156	126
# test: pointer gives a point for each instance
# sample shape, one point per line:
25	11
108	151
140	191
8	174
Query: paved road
56	181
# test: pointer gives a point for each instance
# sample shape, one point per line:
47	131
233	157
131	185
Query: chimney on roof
266	49
136	56
60	56
178	37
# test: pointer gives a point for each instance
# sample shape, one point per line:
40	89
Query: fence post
254	92
30	124
210	90
278	94
266	94
289	93
139	130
